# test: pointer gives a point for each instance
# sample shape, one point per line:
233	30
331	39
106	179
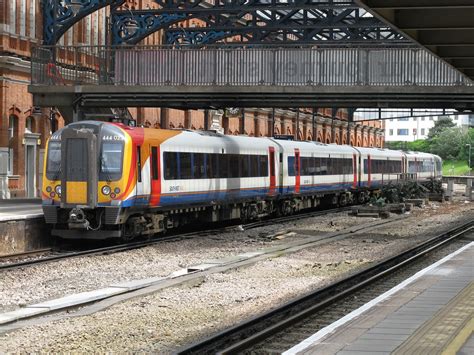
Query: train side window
323	166
197	162
154	163
223	166
254	166
263	162
171	165
244	166
234	165
139	163
291	166
185	167
209	166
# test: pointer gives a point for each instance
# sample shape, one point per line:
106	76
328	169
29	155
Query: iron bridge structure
294	53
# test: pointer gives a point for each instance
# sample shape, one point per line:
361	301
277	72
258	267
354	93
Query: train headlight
106	190
49	189
58	189
116	190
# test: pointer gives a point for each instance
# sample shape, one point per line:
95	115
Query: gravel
166	320
20	287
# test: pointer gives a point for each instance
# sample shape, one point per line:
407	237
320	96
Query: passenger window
291	166
234	163
185	168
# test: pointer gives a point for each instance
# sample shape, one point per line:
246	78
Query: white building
414	128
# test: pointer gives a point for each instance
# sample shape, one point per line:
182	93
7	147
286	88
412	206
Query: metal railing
237	66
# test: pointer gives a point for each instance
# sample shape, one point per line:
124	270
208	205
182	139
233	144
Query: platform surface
20	209
432	312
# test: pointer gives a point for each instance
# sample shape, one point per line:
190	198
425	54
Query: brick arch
337	139
320	137
276	130
300	135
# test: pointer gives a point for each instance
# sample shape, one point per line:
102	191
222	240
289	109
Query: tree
440	125
448	144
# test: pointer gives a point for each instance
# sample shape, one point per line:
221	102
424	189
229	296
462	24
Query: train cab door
155	176
271	160
297	171
79	177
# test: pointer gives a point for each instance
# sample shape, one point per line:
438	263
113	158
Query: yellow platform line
447	330
460	339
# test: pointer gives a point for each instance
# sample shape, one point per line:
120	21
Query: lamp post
470	148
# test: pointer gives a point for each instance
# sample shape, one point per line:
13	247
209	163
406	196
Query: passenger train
110	180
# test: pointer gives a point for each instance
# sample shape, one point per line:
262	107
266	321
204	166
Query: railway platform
432	312
22	226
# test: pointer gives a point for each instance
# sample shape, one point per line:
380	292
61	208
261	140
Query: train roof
315	146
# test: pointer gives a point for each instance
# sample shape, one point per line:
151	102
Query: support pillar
271	130
206	120
187	119
225	123
256	125
297	124
469	189
333	132
164	118
242	122
314	124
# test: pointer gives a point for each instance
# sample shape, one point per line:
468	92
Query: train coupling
77	219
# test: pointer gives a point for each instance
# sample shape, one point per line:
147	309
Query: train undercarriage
130	223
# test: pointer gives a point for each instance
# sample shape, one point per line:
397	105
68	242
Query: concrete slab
136	284
80	298
21	313
251	254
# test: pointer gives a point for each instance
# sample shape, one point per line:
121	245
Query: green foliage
440	125
455	167
448	143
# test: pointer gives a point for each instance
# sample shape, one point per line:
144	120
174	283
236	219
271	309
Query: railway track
12	261
283	327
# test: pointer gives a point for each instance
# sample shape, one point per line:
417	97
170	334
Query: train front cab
84	181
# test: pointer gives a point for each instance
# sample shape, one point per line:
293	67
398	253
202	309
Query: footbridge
252	76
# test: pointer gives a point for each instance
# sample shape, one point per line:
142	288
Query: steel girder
60	15
297	21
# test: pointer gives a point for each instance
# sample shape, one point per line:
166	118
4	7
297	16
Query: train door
155	177
297	171
369	171
271	159
141	195
354	170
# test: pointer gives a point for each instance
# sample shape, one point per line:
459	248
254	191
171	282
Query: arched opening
30	125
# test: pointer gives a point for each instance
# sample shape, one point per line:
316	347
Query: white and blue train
132	180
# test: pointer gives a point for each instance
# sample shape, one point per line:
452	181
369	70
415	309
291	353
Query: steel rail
324	297
142	244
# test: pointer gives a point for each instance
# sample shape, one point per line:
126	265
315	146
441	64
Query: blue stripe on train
182	199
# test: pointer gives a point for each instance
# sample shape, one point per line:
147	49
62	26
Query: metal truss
254	21
60	15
